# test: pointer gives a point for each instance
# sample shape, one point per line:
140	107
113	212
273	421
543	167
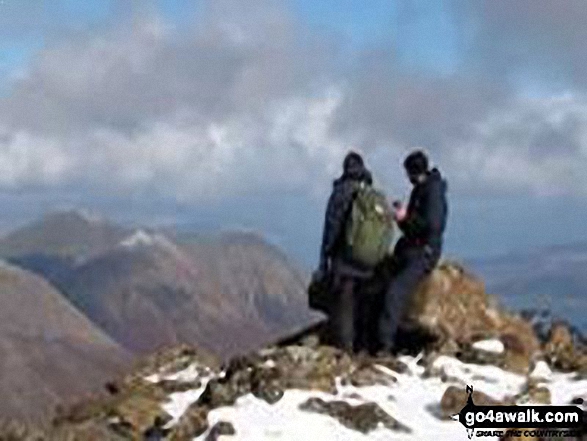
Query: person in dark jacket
422	223
345	277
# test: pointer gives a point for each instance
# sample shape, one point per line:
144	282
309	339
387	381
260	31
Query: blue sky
223	114
423	33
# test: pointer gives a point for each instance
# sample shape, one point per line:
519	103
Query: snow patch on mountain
142	238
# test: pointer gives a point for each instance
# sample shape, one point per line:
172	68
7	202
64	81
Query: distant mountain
67	235
49	351
226	297
227	293
551	277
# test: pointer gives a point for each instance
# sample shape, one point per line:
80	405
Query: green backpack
369	233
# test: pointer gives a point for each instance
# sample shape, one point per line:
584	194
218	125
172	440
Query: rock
560	336
540	395
561	351
221	428
448	347
170	387
266	385
87	431
390	362
520	346
14	430
515	362
363	418
311	341
533	392
140	411
370	376
221	392
470	354
517	335
157	432
192	424
451	303
314	369
455	398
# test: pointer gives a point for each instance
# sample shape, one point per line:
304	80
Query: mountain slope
226	297
67	234
49	352
546	278
149	288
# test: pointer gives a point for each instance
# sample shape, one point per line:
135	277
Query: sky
221	114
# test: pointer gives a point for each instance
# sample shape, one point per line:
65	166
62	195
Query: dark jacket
427	213
337	214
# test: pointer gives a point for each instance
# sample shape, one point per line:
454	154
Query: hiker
417	252
339	263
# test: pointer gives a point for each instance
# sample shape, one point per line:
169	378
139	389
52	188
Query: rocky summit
303	390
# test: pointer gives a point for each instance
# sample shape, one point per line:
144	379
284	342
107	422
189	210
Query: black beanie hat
352	157
416	163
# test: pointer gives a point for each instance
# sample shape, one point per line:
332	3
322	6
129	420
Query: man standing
335	261
418	251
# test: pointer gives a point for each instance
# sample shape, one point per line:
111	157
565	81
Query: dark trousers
341	319
352	318
413	263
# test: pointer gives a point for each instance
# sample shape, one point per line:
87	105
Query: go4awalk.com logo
513	421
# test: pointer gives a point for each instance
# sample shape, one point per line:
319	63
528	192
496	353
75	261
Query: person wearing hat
345	277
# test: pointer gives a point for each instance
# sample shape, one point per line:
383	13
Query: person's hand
400	211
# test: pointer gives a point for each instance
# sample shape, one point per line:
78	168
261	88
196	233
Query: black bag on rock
319	296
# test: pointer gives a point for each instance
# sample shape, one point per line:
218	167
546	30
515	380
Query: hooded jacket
338	211
427	212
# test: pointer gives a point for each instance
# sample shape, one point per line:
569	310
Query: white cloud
243	105
537	146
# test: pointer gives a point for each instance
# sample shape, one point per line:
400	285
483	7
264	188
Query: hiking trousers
414	263
347	308
342	313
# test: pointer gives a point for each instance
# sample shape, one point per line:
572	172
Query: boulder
452	305
193	423
455	398
560	350
533	392
363	418
222	428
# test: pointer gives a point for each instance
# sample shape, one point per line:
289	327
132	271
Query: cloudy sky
226	113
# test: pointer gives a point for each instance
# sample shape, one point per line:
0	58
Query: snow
541	371
142	238
413	400
139	237
488	379
189	374
179	402
88	216
494	346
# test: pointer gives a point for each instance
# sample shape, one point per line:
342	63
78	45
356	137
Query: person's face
352	165
414	178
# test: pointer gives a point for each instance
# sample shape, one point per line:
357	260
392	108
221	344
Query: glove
401	213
